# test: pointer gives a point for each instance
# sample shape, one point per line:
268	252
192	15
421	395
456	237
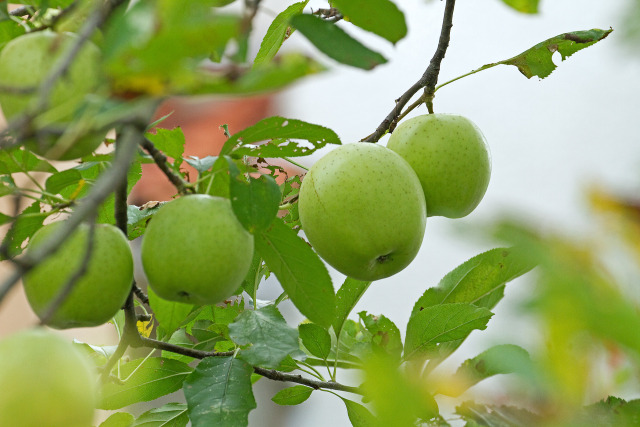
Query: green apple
99	294
45	381
362	208
196	251
451	158
25	62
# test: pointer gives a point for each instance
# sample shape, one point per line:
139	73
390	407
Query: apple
450	156
362	209
45	381
25	62
195	250
99	294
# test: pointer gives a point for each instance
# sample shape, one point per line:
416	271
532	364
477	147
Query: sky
550	141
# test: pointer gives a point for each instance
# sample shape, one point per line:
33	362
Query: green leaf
279	132
497	416
145	380
335	43
524	6
28	222
169	314
278	32
119	419
442	323
137	218
611	411
300	271
479	281
170	142
385	335
169	415
316	339
500	359
22	160
266	333
201	164
359	415
254	275
255	202
292	395
218	392
381	17
346	298
537	61
61	180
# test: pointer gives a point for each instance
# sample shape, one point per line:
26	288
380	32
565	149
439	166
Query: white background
550	140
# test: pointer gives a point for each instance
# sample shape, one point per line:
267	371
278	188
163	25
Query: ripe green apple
196	251
99	294
362	208
25	62
451	158
45	381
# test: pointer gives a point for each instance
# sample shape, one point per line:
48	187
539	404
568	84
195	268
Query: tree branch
161	161
428	80
299	379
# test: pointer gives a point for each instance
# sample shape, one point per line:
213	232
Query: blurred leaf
300	271
359	415
137	218
292	395
9	29
500	359
169	314
267	335
153	377
218	392
278	32
537	61
346	298
316	339
524	6
385	335
255	202
61	180
442	323
611	411
119	419
47	3
496	416
381	17
170	142
397	398
279	132
168	415
335	43
479	281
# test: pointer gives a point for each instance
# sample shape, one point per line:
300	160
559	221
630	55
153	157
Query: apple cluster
363	207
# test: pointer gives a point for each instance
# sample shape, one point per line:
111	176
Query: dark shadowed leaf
346	298
292	395
316	339
153	378
278	32
442	323
169	415
381	17
300	271
219	393
267	335
336	43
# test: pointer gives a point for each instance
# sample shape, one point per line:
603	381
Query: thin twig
144	298
174	348
68	287
428	80
161	161
299	379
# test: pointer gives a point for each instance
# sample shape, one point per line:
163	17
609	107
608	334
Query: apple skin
451	158
362	209
45	381
195	250
25	62
99	293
